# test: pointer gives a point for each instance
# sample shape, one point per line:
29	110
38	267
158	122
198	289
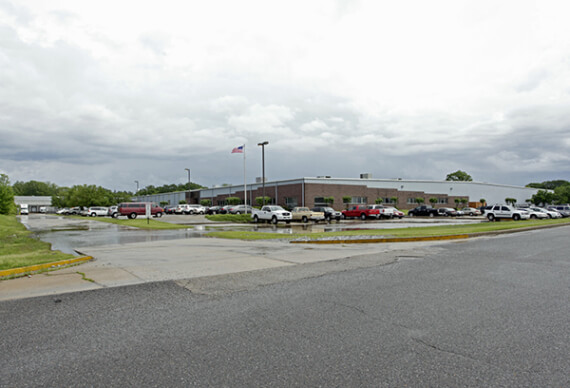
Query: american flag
238	150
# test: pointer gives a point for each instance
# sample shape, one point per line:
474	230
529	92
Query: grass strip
19	249
427	231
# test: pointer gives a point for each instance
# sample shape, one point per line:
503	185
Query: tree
379	200
329	200
34	188
459	176
562	194
233	200
394	200
511	201
206	202
7	205
457	202
463	201
260	201
483	201
542	197
433	201
346	200
419	200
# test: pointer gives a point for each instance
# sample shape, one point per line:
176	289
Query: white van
24	209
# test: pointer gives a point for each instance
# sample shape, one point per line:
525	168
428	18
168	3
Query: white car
182	209
95	211
497	212
534	214
271	213
471	211
549	213
196	209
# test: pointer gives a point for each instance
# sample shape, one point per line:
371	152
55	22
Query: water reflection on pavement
66	234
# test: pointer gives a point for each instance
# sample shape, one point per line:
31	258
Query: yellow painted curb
38	267
383	240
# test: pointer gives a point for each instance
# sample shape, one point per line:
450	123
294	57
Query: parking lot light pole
187	169
137	182
263	144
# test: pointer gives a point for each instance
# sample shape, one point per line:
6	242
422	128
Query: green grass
19	249
235	218
428	231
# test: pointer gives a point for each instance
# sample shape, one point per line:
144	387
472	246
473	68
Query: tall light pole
137	182
187	169
263	144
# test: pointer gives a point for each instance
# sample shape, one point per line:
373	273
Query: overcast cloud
110	92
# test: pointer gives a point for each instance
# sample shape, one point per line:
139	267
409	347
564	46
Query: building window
411	201
359	200
388	200
320	201
290	202
442	200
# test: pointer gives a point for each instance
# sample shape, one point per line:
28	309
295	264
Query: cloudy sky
109	92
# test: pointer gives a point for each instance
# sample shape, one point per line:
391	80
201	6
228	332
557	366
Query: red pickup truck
361	211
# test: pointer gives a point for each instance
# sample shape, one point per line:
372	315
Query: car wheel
516	217
132	216
344	216
305	219
328	218
93	215
533	216
490	217
274	220
255	219
431	214
238	213
363	217
159	214
410	214
338	219
287	222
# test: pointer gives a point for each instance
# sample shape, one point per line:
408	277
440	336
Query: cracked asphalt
485	312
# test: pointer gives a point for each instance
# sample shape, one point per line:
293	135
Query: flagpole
244	182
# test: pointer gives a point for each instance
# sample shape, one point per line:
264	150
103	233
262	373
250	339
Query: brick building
397	192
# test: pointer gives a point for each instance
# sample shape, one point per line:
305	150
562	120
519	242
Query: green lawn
19	249
428	231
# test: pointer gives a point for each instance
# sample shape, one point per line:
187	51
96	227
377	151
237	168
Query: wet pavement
67	234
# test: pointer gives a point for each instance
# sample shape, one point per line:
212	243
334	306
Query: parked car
134	209
484	209
564	210
226	209
74	211
95	211
550	213
471	211
383	211
182	209
271	213
241	209
498	212
535	214
196	209
397	213
447	212
63	211
329	212
423	210
360	211
214	210
113	211
304	214
170	209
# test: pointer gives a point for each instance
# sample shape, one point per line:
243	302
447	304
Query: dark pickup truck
425	211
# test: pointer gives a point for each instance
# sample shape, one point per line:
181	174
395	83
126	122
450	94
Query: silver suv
497	212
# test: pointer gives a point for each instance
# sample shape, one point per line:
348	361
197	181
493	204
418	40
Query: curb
430	238
39	267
